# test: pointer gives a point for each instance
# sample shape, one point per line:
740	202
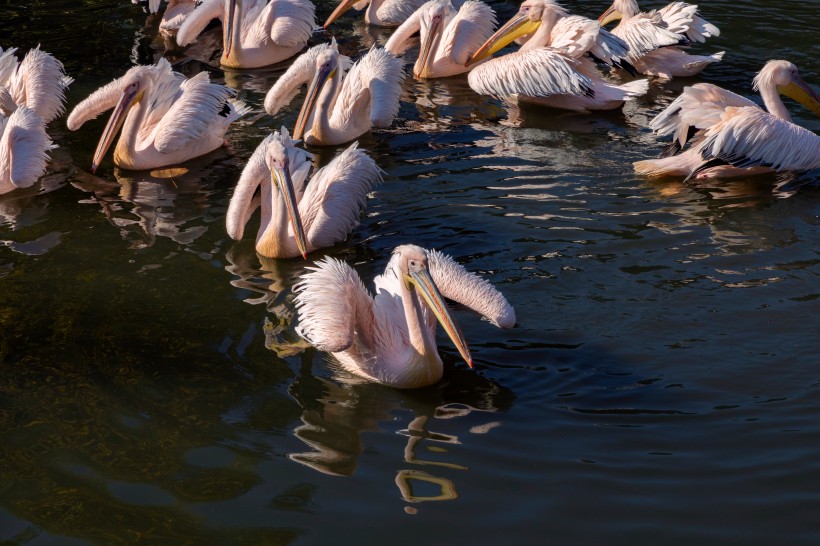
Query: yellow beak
127	101
609	15
280	177
800	91
321	78
516	27
230	15
343	6
425	286
428	47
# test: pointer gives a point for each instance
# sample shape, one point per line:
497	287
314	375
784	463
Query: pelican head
434	19
620	9
278	162
529	18
327	66
785	78
413	266
133	86
343	6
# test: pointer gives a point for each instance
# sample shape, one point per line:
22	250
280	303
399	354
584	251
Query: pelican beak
800	91
129	98
424	284
428	47
609	15
322	77
516	27
343	6
230	15
280	177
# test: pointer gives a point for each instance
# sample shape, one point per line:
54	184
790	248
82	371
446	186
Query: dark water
660	387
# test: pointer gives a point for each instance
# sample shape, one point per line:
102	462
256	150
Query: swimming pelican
545	23
731	135
254	32
300	217
174	14
38	82
391	339
380	13
651	35
165	118
448	37
24	147
343	102
553	67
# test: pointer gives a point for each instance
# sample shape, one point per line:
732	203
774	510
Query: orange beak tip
470	363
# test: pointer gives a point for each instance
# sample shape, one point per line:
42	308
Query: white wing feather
382	73
645	32
467	31
23	149
398	11
683	18
292	22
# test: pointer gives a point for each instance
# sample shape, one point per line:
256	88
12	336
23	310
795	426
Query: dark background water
660	387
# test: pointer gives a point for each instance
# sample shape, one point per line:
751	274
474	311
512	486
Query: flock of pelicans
163	118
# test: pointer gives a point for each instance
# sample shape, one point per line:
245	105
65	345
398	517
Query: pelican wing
379	72
291	21
576	36
331	300
645	32
750	137
300	72
23	148
536	73
198	19
335	196
8	65
456	283
683	18
198	107
397	11
403	37
40	83
467	31
699	106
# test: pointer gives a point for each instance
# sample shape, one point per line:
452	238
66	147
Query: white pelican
165	118
732	136
391	339
545	23
380	13
298	217
174	14
254	32
24	147
651	37
343	102
38	82
553	68
448	37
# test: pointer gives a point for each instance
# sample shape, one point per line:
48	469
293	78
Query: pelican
174	14
545	23
651	35
254	32
343	102
38	82
24	147
300	217
380	13
553	67
165	118
391	339
448	37
731	135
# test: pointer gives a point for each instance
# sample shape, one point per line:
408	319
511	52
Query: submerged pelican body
165	117
343	102
729	135
254	32
299	217
24	147
391	339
